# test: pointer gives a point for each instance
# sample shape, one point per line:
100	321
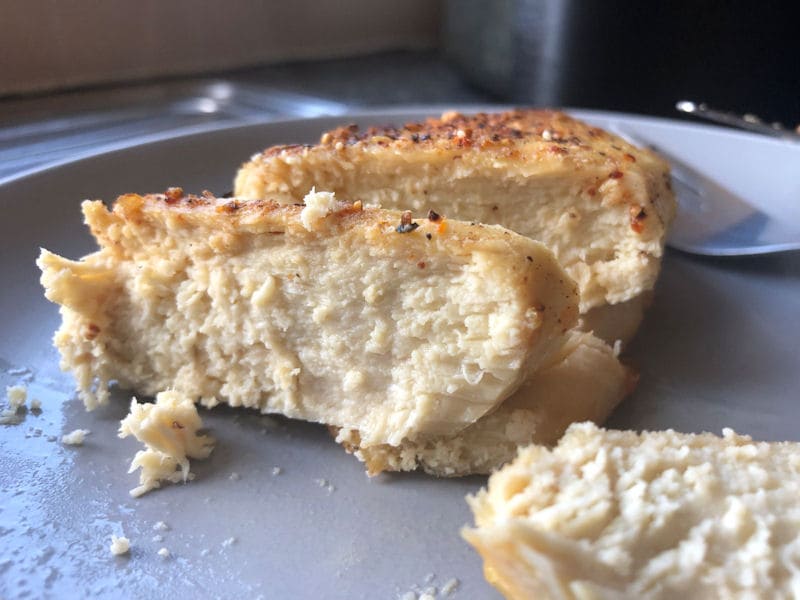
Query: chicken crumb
75	438
119	545
164	553
277	470
17	395
318	205
168	429
449	587
161	526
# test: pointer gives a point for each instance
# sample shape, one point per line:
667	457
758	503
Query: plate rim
384	112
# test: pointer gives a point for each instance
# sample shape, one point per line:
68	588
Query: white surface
719	347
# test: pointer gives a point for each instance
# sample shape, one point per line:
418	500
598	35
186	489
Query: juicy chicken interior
427	342
599	203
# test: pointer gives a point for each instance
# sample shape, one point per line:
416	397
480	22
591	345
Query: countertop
39	130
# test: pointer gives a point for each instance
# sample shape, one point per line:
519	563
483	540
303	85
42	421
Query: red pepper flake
433	216
406	224
429	236
91	331
176	425
421	264
629	157
637	214
615	174
231	206
173	194
530	258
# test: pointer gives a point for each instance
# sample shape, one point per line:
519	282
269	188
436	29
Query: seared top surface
506	133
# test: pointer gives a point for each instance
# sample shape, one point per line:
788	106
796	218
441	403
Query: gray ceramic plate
719	347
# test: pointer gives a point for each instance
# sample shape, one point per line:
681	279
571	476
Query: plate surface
719	348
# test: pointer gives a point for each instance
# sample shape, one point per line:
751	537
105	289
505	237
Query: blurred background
78	74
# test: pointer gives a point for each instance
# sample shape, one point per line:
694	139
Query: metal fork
747	122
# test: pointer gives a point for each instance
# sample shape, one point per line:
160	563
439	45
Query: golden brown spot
229	207
455	130
173	194
91	331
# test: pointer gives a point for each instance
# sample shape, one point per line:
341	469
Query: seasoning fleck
173	194
637	215
406	224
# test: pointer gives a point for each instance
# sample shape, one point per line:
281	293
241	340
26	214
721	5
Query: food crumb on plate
119	545
450	586
168	428
17	395
75	438
160	526
164	553
277	470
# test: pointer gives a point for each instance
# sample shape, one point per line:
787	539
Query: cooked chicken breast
600	204
360	318
584	382
658	515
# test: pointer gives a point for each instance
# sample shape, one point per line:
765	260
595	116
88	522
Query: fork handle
747	122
